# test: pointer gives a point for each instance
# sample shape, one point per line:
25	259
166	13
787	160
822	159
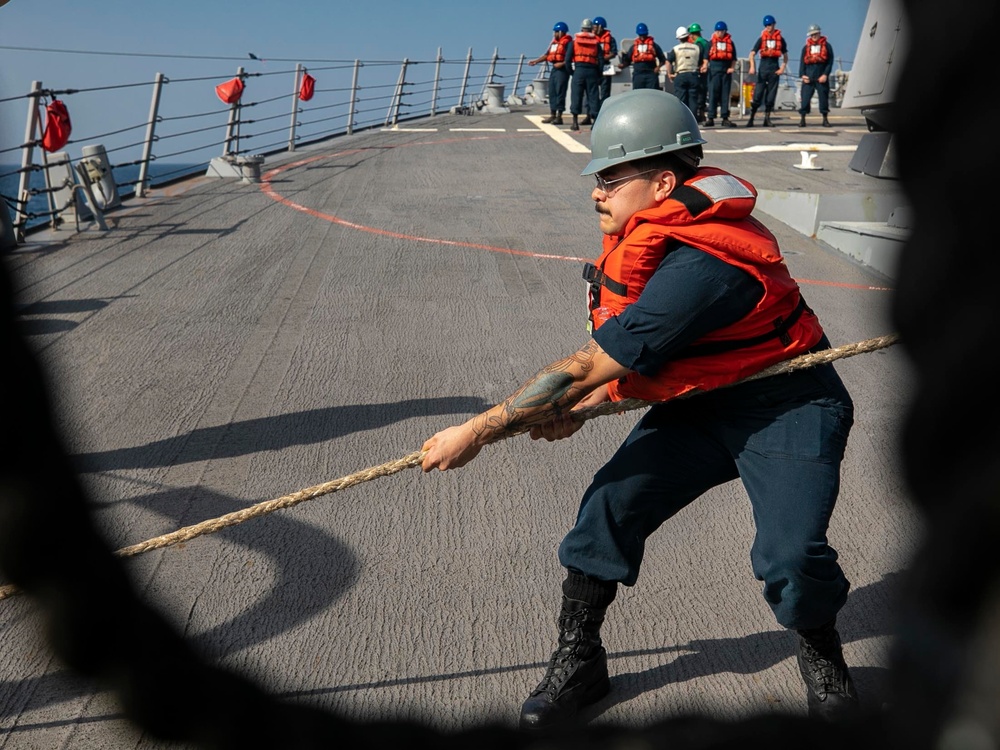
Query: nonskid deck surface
230	343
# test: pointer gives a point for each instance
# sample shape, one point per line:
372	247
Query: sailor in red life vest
588	67
721	60
815	66
646	57
609	46
559	57
690	293
773	51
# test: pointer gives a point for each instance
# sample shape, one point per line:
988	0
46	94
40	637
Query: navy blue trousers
558	86
806	94
586	80
765	90
686	89
720	85
645	77
702	93
783	436
605	87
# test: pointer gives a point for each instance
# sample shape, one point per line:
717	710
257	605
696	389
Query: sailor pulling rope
410	460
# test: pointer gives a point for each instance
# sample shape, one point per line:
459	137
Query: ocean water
124	179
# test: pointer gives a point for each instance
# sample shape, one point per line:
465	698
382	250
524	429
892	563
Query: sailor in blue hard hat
773	60
609	46
722	57
645	56
559	56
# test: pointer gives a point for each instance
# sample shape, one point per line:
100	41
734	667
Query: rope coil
411	460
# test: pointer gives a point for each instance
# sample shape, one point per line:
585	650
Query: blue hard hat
599	21
721	26
641	29
769	20
561	26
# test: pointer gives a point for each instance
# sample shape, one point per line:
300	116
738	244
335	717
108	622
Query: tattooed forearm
551	392
544	388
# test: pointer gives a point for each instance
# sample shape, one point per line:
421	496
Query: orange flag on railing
307	88
230	91
57	126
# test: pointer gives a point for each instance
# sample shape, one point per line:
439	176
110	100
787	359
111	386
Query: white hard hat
682	32
587	25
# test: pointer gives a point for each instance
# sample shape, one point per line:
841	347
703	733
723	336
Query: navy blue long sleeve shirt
690	294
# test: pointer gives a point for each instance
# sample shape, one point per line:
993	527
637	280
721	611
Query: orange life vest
585	47
608	46
711	212
722	47
557	50
816	51
770	43
643	50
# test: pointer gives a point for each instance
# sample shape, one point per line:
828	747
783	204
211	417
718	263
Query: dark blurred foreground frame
946	659
946	667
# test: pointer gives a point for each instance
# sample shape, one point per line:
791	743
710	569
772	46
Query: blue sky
313	30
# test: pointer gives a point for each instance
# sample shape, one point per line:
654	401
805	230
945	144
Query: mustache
601	210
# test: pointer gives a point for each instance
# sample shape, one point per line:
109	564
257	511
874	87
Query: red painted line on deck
269	190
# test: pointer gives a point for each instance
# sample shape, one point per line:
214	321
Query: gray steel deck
229	343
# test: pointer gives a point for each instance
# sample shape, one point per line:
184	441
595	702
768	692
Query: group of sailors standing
700	69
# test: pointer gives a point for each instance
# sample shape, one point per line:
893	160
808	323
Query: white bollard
95	161
494	99
808	161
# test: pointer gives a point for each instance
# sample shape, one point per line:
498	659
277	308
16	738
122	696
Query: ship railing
152	133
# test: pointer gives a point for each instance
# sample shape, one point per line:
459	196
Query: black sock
598	594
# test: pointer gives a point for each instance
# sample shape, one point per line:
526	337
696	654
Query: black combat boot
802	121
709	123
586	120
826	122
550	118
577	674
767	119
749	124
576	123
727	124
830	689
558	120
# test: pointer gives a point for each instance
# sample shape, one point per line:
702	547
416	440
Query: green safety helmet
694	28
641	123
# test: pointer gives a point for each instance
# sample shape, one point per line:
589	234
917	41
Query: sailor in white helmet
815	67
685	61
